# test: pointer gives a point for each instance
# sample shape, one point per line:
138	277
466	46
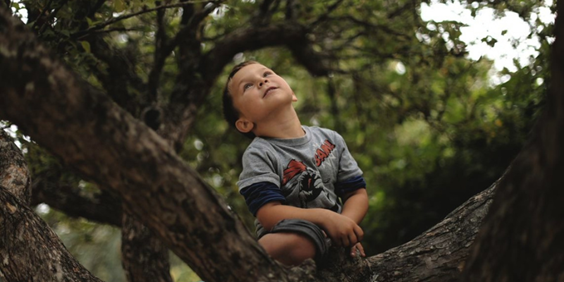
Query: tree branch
29	249
101	207
41	14
264	13
325	15
121	74
437	255
14	175
127	16
291	34
159	56
144	257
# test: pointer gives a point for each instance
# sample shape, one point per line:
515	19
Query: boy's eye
247	86
267	74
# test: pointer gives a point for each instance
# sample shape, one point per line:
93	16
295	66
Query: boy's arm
355	205
343	230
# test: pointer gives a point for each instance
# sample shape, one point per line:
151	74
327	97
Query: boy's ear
244	125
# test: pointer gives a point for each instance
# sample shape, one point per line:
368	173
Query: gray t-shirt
305	169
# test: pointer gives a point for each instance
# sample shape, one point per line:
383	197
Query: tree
102	140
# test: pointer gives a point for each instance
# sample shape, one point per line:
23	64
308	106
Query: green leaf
119	6
490	41
86	46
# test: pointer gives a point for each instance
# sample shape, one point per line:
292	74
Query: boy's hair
230	113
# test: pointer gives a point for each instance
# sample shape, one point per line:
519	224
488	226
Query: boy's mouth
268	91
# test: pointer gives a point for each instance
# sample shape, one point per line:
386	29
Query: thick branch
101	207
14	175
145	258
29	249
290	34
437	255
121	74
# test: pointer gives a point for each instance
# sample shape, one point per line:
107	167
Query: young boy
293	175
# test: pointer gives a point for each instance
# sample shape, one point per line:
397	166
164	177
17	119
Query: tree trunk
14	175
29	249
144	256
522	237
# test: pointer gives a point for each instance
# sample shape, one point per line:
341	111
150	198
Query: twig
120	18
42	13
51	16
326	14
122	29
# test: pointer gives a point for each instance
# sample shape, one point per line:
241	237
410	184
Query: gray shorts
310	230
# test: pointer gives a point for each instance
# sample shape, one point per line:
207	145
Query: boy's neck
285	126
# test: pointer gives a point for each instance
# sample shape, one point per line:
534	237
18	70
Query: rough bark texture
29	249
101	207
21	230
521	239
144	257
436	255
14	175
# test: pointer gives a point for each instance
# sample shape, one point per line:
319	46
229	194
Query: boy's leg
291	241
288	248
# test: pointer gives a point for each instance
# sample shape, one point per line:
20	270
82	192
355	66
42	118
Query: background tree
421	132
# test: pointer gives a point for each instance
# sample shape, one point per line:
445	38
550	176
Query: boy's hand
343	231
357	248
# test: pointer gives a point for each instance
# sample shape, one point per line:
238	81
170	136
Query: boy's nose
263	82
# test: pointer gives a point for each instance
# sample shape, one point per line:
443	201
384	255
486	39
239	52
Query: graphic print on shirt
323	152
306	180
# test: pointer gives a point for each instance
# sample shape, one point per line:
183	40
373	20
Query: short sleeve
259	165
348	168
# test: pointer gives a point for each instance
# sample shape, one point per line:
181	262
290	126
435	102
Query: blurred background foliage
428	126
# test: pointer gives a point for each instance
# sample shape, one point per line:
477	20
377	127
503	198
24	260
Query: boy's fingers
353	240
345	241
359	233
360	249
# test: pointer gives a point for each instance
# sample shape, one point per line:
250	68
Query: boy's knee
288	248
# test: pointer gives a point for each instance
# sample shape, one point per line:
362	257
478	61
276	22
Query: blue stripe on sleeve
259	194
350	185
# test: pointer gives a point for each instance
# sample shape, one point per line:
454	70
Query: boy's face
258	93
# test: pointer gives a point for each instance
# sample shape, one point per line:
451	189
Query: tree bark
436	255
14	175
103	207
30	250
145	258
521	238
21	230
